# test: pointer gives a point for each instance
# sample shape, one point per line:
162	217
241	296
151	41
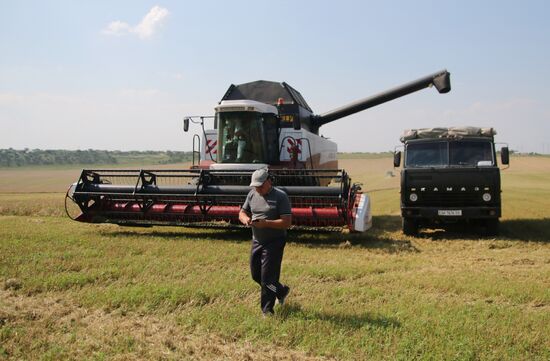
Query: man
267	211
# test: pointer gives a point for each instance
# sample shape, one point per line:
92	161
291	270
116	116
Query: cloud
117	28
147	27
150	22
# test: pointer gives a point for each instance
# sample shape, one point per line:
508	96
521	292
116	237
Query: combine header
258	124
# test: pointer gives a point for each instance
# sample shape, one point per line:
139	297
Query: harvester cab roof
245	106
291	108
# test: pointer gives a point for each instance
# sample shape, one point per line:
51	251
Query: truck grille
451	187
451	199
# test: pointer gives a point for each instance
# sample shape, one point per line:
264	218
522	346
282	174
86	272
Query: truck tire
410	226
491	227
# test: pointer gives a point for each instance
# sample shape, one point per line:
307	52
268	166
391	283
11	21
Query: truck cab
450	175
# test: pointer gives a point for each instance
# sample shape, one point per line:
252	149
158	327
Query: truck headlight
486	197
413	197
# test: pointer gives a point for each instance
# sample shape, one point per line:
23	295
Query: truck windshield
242	137
449	153
471	153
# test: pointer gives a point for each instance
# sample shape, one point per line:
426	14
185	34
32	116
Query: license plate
449	212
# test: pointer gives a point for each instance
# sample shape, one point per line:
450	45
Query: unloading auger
258	124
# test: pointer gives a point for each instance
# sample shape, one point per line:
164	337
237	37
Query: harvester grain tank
257	124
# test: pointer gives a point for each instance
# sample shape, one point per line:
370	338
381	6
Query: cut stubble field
80	291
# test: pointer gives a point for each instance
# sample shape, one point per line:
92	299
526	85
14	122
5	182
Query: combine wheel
410	226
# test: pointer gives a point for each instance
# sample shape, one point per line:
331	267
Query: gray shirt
271	206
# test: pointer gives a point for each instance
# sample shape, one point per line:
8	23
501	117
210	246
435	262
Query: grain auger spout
440	80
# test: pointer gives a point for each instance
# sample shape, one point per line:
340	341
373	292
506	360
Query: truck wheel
491	227
410	226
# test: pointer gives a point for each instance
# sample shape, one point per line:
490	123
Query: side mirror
505	155
296	123
397	159
185	124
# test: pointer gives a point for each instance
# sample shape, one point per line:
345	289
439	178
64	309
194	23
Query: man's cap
259	177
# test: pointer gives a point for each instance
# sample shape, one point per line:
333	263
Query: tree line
28	157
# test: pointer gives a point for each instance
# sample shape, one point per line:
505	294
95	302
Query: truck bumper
450	214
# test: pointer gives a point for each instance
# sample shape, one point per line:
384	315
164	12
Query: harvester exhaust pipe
441	80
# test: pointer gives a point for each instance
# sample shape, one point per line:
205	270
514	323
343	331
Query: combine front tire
410	226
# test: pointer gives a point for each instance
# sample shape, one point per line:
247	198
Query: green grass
98	292
439	299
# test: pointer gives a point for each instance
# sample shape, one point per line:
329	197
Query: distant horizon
134	150
512	151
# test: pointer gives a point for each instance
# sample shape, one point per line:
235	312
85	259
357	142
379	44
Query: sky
121	75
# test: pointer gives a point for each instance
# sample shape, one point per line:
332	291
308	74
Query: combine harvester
257	124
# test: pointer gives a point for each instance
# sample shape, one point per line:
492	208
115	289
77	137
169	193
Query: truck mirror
185	124
505	155
397	159
296	123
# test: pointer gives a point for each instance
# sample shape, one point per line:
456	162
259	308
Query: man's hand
282	223
244	218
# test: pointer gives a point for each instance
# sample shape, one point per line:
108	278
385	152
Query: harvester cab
248	135
257	124
261	124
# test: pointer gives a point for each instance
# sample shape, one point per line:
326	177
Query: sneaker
268	314
283	297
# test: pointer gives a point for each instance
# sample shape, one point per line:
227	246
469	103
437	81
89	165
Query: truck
449	176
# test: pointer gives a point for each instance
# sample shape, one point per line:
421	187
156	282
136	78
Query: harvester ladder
196	145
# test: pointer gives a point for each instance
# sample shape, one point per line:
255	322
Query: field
103	292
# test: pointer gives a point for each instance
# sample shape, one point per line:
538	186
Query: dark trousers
265	267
